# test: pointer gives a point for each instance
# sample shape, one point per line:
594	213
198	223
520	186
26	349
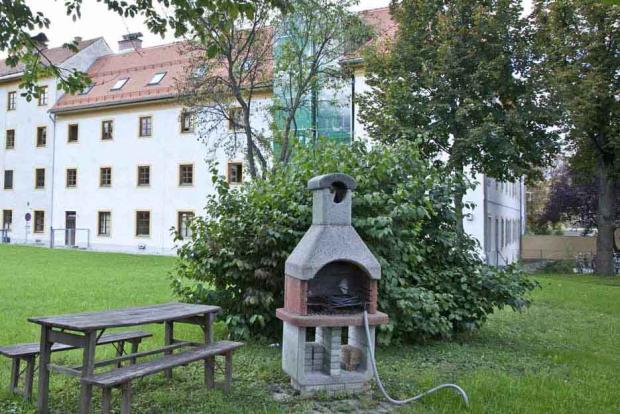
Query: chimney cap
132	36
328	180
77	38
40	38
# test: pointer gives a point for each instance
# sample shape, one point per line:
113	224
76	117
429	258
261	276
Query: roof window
157	78
119	84
86	89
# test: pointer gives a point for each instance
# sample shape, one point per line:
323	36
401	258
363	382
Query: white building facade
123	168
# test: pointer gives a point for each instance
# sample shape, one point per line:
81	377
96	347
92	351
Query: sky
97	21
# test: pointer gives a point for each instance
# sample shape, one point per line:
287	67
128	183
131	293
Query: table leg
168	340
44	375
120	350
209	363
134	349
88	366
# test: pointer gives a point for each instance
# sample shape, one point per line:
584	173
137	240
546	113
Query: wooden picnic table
82	330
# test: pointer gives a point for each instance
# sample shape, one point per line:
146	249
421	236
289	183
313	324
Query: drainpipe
352	106
53	119
485	221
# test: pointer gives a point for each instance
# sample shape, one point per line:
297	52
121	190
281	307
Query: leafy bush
433	281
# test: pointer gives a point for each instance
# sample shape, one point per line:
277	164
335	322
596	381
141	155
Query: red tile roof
174	59
56	55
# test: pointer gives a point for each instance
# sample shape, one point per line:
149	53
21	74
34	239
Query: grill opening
339	287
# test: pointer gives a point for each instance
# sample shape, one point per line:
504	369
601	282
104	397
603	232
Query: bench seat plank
28	350
123	375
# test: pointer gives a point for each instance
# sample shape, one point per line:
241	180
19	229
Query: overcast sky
98	21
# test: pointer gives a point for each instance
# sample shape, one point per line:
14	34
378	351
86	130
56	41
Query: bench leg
106	400
14	375
29	379
134	349
210	372
120	350
228	371
168	340
126	398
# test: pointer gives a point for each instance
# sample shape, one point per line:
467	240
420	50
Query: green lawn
561	356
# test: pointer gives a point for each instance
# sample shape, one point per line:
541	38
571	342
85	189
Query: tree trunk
605	218
459	194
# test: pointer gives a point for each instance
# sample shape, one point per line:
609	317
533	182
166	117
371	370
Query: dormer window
119	84
156	79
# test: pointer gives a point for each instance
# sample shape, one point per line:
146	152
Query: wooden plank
32	349
64	370
86	391
130	372
133	356
125	317
76	341
44	375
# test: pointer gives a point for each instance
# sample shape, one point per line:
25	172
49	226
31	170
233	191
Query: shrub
433	282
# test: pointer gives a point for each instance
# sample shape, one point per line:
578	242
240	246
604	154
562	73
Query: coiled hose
371	352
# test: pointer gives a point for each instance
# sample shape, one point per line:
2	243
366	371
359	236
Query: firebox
330	280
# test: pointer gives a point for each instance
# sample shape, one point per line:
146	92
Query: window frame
38	137
11	101
108	224
120	85
6	139
36	179
101	171
70	127
34	221
43	98
12	180
180	177
151	83
150	130
67	178
184	115
229	166
180	214
138	183
111	131
136	226
231	117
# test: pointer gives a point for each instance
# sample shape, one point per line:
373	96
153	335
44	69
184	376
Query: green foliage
558	267
433	281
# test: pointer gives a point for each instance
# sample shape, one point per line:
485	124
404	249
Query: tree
181	17
456	80
311	41
578	55
240	69
401	208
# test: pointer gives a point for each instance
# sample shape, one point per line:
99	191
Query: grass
560	356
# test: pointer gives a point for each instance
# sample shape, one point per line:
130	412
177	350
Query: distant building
118	166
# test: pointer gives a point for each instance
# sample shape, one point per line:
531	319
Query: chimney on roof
40	41
77	39
130	42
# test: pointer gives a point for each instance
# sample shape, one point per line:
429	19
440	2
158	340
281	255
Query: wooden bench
29	352
122	377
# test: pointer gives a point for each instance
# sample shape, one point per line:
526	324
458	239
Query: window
186	174
10	139
41	136
235	172
8	179
187	121
39	221
144	176
105	177
183	220
104	223
86	89
43	96
143	223
11	101
235	118
39	178
71	177
73	133
106	130
146	126
7	219
157	78
119	84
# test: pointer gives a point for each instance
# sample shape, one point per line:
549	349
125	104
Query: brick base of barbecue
326	365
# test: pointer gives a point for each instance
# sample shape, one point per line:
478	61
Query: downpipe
373	362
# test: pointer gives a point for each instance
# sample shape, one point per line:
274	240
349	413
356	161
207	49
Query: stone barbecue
331	278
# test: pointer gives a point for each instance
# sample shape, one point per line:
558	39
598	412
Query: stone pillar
331	340
293	350
357	338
